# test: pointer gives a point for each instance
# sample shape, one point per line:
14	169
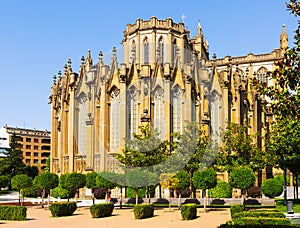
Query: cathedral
165	78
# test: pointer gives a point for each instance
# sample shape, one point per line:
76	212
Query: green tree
284	97
183	183
46	181
4	181
222	190
145	150
194	150
242	178
238	149
72	182
204	180
12	164
106	180
20	182
91	183
169	181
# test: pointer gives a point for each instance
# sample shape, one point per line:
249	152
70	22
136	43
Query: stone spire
284	38
199	29
89	61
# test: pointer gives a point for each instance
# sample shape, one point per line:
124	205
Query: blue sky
38	37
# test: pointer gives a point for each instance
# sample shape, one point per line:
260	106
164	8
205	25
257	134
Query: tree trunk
179	200
93	196
49	199
204	202
20	198
136	196
297	185
43	196
68	195
121	198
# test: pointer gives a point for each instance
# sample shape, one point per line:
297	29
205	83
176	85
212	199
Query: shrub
62	209
186	193
101	210
272	188
262	221
188	211
254	191
59	192
13	213
242	178
258	214
281	179
222	190
236	208
142	211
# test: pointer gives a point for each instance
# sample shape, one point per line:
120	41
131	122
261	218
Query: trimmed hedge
142	211
236	208
258	214
101	210
13	213
262	221
62	209
188	211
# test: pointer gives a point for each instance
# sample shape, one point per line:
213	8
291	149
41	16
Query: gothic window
82	116
146	51
176	110
161	50
133	50
214	114
193	108
159	118
132	114
174	49
115	120
187	53
262	74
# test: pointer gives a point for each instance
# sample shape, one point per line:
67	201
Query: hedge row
262	221
189	211
62	209
142	211
101	210
13	213
237	208
258	214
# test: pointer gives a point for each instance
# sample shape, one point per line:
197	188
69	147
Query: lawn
282	208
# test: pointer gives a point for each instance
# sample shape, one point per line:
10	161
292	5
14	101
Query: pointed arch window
133	50
262	74
82	116
132	112
174	49
193	108
146	51
176	109
159	118
161	49
115	120
214	114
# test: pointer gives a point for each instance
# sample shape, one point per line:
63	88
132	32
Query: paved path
122	218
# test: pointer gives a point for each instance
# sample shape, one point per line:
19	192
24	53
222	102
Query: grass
282	208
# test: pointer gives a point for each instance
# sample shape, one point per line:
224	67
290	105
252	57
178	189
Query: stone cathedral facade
165	78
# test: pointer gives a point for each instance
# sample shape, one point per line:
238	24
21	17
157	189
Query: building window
28	154
28	161
28	147
176	110
47	141
115	120
133	50
262	75
36	140
35	161
146	51
214	114
193	108
35	154
82	115
174	50
159	118
36	147
161	50
132	114
28	139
